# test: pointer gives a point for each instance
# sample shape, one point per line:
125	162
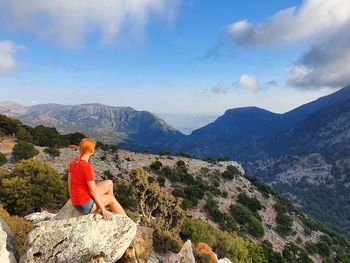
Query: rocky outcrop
140	248
184	256
39	217
8	252
224	260
73	237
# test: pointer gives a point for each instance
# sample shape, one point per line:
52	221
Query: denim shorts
85	208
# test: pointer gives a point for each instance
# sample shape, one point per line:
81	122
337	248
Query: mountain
238	216
187	123
251	133
123	125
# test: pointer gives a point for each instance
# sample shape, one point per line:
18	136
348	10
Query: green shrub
32	185
156	165
270	254
284	224
49	137
225	221
254	227
240	213
294	253
9	126
25	133
125	195
23	150
52	151
3	159
225	244
250	202
165	241
231	172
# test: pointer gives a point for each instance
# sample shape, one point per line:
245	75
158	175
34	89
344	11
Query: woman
86	195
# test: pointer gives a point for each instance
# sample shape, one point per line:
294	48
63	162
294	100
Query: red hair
87	145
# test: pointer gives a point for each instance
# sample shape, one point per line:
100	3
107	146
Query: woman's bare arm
69	183
97	198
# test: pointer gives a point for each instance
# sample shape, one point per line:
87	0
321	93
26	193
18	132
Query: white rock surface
7	245
87	238
224	260
184	256
39	217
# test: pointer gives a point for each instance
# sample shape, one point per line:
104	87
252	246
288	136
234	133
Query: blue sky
195	56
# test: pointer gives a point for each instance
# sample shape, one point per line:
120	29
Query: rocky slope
319	183
119	167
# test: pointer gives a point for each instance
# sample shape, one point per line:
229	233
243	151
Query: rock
224	260
204	249
87	238
8	252
67	211
39	217
184	256
140	248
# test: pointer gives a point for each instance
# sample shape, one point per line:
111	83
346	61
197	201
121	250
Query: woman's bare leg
105	187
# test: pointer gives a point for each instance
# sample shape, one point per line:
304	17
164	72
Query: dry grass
19	226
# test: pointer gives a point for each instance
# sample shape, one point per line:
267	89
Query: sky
173	56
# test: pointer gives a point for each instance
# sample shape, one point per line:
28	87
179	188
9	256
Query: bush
48	137
3	159
254	227
293	253
284	224
25	133
125	196
226	222
240	213
8	126
225	244
270	254
231	172
159	209
165	241
23	150
156	165
250	202
52	151
32	185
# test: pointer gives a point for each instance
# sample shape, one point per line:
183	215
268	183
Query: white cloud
68	22
323	25
248	83
7	52
314	19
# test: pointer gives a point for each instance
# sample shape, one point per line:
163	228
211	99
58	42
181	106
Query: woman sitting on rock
86	195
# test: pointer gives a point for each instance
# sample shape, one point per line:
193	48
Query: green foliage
48	137
250	202
102	146
23	150
3	159
283	219
263	188
75	138
225	221
156	165
52	151
32	185
8	126
177	174
25	133
293	253
250	221
225	244
165	241
270	254
184	154
125	195
161	153
231	172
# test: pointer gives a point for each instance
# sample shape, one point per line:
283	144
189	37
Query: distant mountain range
113	125
251	133
187	123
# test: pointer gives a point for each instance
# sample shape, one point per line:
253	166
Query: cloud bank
323	24
7	56
68	22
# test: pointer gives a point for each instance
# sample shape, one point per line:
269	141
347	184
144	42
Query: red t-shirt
81	172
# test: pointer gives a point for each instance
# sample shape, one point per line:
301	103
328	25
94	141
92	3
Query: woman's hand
105	214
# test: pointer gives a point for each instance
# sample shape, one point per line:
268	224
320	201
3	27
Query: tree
32	185
23	150
52	151
3	159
